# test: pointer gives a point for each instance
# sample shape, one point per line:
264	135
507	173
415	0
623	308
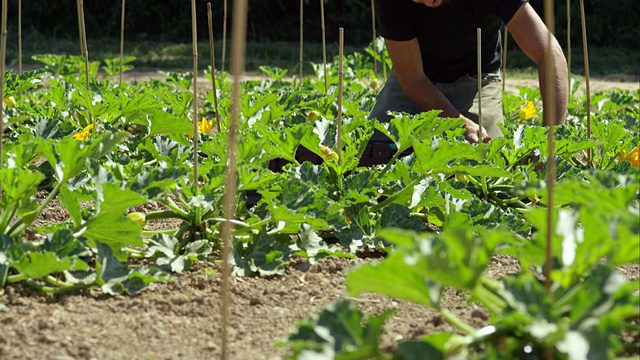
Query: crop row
440	208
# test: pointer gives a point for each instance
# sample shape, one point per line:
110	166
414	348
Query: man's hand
471	132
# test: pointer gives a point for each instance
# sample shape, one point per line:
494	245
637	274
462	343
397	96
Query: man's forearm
428	97
559	79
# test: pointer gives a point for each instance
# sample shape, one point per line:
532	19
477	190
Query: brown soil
182	319
596	83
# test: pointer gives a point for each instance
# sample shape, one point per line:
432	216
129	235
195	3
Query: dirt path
596	84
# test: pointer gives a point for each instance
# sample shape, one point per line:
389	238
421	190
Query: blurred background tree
609	23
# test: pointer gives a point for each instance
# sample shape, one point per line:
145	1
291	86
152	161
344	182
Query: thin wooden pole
341	54
224	35
569	39
375	36
3	52
194	36
301	37
83	41
213	65
324	47
479	48
20	36
80	28
504	58
551	165
122	40
586	74
238	54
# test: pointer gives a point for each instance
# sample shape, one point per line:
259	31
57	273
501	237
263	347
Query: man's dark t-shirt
447	35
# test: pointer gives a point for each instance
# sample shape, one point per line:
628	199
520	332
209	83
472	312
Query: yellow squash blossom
204	127
84	134
633	157
528	111
328	154
138	218
10	102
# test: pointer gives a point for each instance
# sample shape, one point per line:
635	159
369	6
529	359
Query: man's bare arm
533	37
407	65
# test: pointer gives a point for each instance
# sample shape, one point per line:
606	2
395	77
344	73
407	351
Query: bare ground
182	319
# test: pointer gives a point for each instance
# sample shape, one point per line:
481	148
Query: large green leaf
109	225
68	156
265	255
36	265
161	122
406	130
164	248
339	332
393	277
442	155
116	278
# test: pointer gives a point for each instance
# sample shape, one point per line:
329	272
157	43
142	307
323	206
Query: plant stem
16	278
134	254
180	198
7	215
393	197
20	226
457	322
173	206
58	290
166	214
155	232
233	221
388	165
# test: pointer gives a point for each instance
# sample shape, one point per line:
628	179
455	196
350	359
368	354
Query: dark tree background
609	22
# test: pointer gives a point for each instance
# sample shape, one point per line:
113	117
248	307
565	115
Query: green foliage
339	332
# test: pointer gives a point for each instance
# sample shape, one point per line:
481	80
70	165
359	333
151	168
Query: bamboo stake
224	35
20	36
383	57
122	41
504	58
80	27
569	39
586	74
194	36
3	52
551	166
238	53
83	42
213	66
324	47
301	36
479	48
341	51
375	35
